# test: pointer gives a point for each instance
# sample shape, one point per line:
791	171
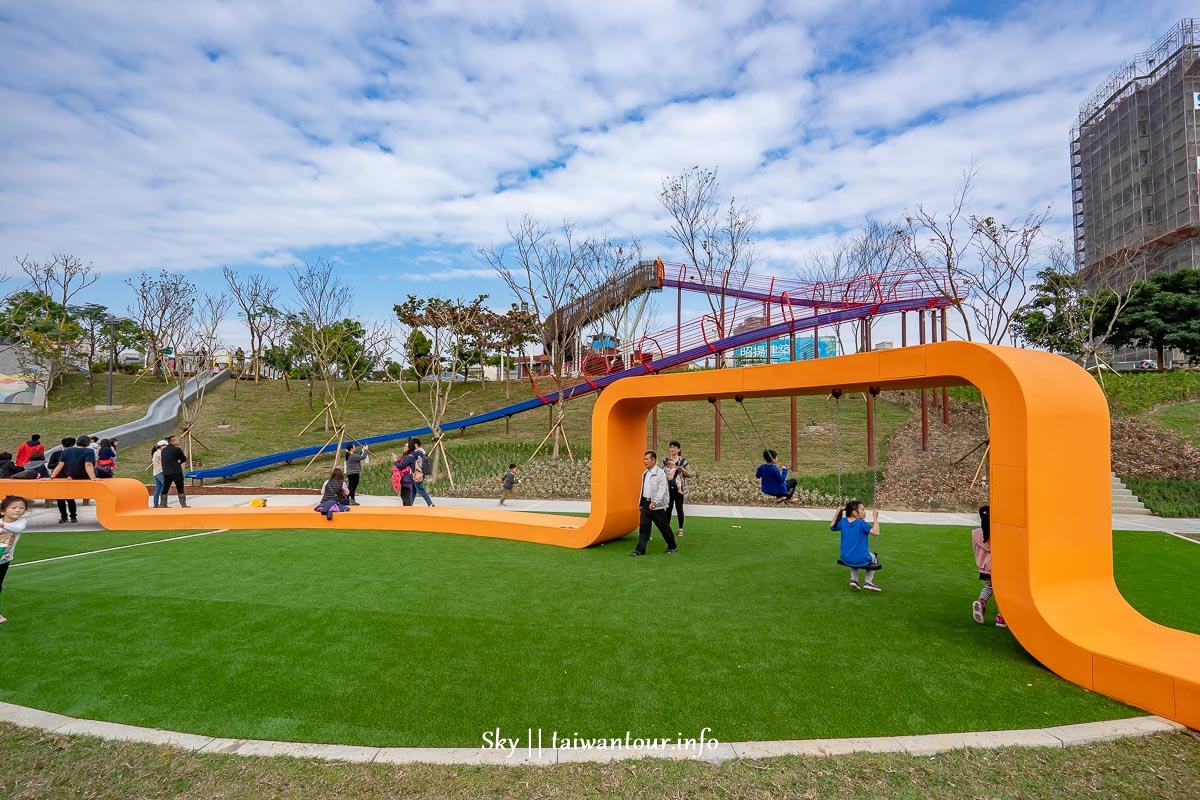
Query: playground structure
1051	527
752	309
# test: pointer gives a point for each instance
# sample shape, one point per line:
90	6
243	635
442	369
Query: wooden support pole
945	391
924	392
933	337
717	436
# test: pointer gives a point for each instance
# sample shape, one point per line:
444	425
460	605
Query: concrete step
1125	501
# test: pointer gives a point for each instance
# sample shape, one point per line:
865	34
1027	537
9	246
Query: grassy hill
72	409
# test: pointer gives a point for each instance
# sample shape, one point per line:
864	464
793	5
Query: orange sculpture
1052	558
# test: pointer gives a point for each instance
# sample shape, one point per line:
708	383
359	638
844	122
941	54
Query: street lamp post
111	321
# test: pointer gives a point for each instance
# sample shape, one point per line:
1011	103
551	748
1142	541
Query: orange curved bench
1051	503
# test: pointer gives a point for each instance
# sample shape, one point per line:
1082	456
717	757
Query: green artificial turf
421	639
35	545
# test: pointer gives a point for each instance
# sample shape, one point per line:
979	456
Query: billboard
757	353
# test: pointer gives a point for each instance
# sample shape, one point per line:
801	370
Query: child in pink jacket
981	539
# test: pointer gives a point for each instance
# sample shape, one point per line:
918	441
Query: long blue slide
666	362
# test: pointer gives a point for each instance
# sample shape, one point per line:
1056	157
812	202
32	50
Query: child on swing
981	540
851	522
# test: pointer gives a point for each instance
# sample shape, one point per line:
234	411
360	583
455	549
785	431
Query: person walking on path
421	470
508	483
156	469
676	467
173	459
12	508
28	449
356	457
654	505
77	462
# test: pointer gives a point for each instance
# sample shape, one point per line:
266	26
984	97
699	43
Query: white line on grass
122	547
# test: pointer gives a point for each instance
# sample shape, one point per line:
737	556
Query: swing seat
874	567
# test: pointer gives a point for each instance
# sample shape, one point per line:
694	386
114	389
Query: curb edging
711	751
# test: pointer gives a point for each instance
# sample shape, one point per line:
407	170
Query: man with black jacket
173	459
76	461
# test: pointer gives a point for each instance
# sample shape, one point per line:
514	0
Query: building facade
1135	164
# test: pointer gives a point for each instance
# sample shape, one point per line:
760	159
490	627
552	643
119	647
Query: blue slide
595	385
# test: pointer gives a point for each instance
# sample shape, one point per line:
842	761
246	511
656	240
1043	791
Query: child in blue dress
851	522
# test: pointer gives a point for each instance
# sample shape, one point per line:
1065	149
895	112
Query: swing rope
725	422
836	394
741	402
874	390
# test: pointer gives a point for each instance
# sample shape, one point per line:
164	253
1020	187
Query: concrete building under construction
1135	164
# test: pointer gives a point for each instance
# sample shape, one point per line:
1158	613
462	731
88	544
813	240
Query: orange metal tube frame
1051	503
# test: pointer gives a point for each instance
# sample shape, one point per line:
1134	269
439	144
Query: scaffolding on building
1135	163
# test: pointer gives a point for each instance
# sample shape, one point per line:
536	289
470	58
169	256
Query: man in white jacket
654	505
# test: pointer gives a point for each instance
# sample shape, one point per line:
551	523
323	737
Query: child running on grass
508	483
851	522
12	508
981	539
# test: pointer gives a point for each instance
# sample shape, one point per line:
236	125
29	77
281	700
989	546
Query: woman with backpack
106	459
421	470
404	467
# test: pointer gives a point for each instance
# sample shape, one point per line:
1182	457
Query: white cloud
189	136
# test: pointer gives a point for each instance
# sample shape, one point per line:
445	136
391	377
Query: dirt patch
940	478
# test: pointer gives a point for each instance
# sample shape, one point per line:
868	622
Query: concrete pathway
43	519
523	752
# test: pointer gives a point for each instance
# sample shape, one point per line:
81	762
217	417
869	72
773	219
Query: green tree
1163	312
99	339
1055	316
419	350
45	329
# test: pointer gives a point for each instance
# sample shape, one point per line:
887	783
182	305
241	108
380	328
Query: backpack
423	467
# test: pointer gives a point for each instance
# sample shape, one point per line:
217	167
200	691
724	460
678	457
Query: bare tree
716	236
842	274
47	306
335	345
542	268
161	306
610	266
450	327
194	340
255	296
980	265
937	245
999	284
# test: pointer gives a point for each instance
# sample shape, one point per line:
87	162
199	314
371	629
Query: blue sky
399	138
